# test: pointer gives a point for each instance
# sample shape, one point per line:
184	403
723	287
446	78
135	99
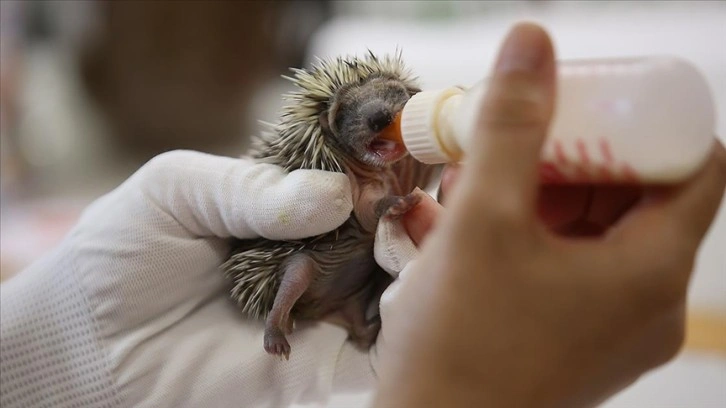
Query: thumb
514	117
226	197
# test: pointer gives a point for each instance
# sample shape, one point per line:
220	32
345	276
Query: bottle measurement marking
607	154
583	167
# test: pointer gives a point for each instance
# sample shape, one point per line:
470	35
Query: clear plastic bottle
648	120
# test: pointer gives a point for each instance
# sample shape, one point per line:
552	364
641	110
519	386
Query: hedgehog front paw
276	343
399	206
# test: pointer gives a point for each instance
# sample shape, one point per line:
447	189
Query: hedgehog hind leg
360	313
299	271
362	332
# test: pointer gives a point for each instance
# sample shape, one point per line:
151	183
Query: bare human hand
556	296
572	210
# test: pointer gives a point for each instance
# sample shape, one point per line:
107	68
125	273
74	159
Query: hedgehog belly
346	274
345	260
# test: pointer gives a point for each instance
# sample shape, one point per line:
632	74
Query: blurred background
90	90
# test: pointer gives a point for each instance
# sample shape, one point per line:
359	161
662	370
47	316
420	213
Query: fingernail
524	49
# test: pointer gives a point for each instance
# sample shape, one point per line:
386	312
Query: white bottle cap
420	125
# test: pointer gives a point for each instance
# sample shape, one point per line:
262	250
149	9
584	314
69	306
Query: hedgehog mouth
386	150
388	145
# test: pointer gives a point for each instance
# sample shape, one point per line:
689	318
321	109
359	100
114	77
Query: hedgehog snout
379	120
377	116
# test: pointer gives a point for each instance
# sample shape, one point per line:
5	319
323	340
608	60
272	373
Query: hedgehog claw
277	345
402	205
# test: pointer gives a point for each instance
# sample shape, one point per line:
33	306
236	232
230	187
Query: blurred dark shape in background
106	85
180	74
91	89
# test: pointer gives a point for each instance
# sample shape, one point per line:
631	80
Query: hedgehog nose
378	120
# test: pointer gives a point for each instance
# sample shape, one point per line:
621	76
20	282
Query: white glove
131	309
393	248
395	252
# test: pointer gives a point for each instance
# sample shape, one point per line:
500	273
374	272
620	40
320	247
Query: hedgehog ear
413	90
324	122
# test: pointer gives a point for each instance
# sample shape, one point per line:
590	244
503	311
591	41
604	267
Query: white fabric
131	309
393	248
388	308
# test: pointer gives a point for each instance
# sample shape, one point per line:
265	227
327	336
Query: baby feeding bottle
642	120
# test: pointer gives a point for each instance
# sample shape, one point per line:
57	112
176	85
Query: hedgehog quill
336	120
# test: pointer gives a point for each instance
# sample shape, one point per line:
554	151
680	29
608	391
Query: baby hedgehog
337	120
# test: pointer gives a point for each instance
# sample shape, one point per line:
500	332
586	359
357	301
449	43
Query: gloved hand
394	248
131	309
